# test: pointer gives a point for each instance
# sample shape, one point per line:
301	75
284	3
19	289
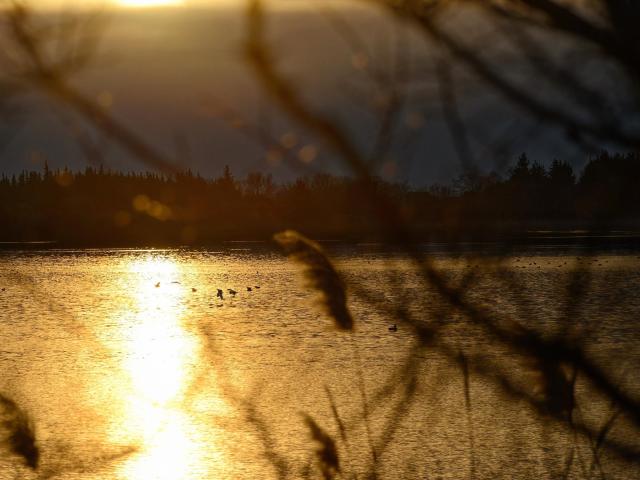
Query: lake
130	367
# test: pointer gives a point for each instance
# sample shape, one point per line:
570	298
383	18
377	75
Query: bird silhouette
232	291
248	289
393	328
194	289
220	295
157	285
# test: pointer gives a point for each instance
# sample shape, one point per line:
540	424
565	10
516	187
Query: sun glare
149	3
160	355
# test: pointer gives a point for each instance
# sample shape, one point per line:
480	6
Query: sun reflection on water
159	359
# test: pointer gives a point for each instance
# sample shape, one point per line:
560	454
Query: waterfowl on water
393	328
194	289
220	295
248	289
157	285
232	291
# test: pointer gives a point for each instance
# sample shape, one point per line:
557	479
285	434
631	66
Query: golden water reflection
159	357
131	381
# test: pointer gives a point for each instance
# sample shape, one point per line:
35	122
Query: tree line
603	195
103	207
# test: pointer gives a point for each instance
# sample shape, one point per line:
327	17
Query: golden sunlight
161	355
149	3
159	346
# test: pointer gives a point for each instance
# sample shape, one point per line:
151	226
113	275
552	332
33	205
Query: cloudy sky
168	73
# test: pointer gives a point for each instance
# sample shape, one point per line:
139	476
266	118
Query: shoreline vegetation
531	203
557	240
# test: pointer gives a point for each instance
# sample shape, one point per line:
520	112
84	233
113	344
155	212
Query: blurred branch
50	77
288	98
549	354
615	34
320	274
416	13
329	130
19	434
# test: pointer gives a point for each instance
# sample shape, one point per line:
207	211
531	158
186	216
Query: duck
248	289
393	328
232	291
194	289
220	294
157	285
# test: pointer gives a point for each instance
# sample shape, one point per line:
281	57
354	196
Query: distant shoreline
574	239
103	208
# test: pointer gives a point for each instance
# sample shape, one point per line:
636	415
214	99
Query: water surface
131	368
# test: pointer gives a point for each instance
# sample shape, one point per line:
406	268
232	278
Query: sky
167	72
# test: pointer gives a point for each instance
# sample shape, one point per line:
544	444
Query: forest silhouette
100	207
